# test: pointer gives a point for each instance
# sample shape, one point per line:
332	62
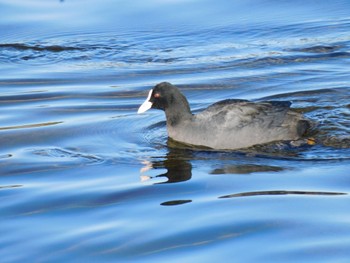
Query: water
84	178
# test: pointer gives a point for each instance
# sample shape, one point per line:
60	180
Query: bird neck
179	112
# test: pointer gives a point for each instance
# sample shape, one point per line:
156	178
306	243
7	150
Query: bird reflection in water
179	168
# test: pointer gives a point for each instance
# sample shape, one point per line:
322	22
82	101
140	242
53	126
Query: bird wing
236	114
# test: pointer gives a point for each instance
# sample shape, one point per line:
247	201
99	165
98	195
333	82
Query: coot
227	124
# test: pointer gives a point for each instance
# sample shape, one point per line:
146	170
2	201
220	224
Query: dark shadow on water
10	186
176	202
280	192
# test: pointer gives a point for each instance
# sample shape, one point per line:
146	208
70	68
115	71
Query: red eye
157	95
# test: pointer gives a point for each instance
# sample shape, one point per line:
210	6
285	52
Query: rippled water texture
84	178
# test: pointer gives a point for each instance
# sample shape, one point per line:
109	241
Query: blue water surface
83	178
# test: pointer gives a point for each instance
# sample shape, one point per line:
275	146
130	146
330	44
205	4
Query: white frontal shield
147	104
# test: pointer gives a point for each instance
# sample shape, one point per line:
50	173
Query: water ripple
26	126
84	178
57	154
23	47
280	192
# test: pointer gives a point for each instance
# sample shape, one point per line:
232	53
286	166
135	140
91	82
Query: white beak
147	104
